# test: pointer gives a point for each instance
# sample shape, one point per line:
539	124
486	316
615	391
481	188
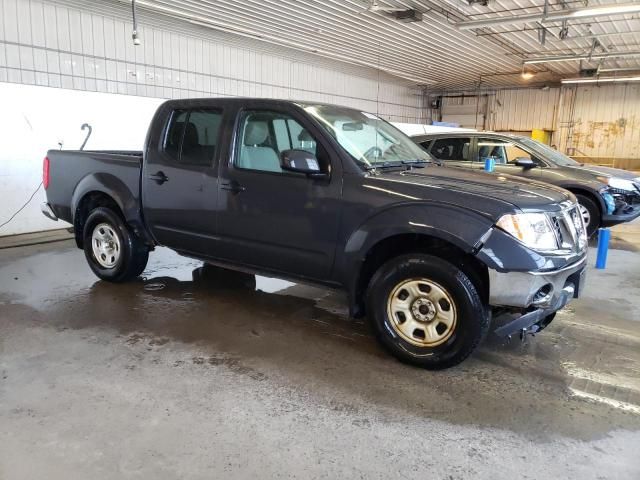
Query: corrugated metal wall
601	124
523	109
60	44
593	123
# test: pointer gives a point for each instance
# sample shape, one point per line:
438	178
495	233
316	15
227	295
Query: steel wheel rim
586	216
105	244
422	312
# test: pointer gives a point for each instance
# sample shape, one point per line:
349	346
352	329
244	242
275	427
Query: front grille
569	229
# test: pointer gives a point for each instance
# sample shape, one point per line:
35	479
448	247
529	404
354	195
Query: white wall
37	118
84	50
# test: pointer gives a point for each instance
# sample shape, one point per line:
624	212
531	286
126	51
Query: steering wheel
373	153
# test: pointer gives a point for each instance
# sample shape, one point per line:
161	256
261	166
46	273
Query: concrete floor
189	374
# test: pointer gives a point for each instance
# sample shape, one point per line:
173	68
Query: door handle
233	186
159	177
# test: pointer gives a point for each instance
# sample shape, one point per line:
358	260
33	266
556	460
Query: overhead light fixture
600	80
134	34
574	58
555	16
527	75
606	10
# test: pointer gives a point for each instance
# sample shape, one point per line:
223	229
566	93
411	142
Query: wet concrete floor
195	373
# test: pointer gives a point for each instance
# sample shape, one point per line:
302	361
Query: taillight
45	172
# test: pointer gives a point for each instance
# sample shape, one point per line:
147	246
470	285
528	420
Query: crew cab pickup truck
332	196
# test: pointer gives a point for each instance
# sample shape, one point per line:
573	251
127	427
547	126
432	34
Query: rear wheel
590	214
426	311
113	251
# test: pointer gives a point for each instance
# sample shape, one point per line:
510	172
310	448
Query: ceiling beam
555	16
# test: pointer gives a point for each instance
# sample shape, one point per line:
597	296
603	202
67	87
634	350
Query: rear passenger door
454	151
180	182
274	219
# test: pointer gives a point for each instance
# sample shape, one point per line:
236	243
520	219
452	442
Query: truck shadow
301	338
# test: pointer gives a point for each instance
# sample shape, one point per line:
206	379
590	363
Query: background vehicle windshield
549	153
368	139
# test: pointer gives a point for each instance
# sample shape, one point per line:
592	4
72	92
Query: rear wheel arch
87	203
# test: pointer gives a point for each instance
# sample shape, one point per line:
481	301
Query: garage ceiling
435	51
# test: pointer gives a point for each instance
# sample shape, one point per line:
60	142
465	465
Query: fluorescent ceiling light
601	80
553	16
574	58
605	10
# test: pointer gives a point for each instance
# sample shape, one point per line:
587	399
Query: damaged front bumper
535	295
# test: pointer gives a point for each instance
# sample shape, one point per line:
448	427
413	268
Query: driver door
274	219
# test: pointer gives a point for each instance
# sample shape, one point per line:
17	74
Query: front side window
264	135
369	140
492	148
192	136
503	151
452	149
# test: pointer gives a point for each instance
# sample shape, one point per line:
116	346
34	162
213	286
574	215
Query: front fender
458	226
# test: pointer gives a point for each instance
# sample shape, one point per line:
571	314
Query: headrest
190	136
305	136
256	132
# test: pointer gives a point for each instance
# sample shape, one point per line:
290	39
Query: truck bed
74	173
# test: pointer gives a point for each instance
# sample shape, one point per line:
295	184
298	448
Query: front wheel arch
402	244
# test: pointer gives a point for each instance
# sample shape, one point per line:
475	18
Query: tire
593	211
125	260
434	351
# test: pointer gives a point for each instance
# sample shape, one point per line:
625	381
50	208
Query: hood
606	172
471	187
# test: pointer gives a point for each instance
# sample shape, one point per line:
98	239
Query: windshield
371	141
549	153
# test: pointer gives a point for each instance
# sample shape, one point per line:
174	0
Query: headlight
532	229
618	183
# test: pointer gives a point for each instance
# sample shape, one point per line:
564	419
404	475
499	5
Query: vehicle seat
192	151
254	154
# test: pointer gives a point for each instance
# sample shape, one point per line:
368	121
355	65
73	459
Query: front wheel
113	251
426	311
590	214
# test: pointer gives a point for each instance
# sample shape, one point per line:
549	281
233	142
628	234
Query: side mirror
525	163
300	161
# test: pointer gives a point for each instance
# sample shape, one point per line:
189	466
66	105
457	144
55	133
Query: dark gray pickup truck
332	196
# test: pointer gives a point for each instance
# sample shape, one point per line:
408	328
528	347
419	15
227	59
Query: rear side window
452	149
174	134
192	137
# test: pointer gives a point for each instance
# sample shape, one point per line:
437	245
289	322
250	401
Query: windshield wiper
420	162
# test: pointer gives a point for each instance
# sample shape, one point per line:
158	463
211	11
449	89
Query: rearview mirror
525	163
299	161
352	126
